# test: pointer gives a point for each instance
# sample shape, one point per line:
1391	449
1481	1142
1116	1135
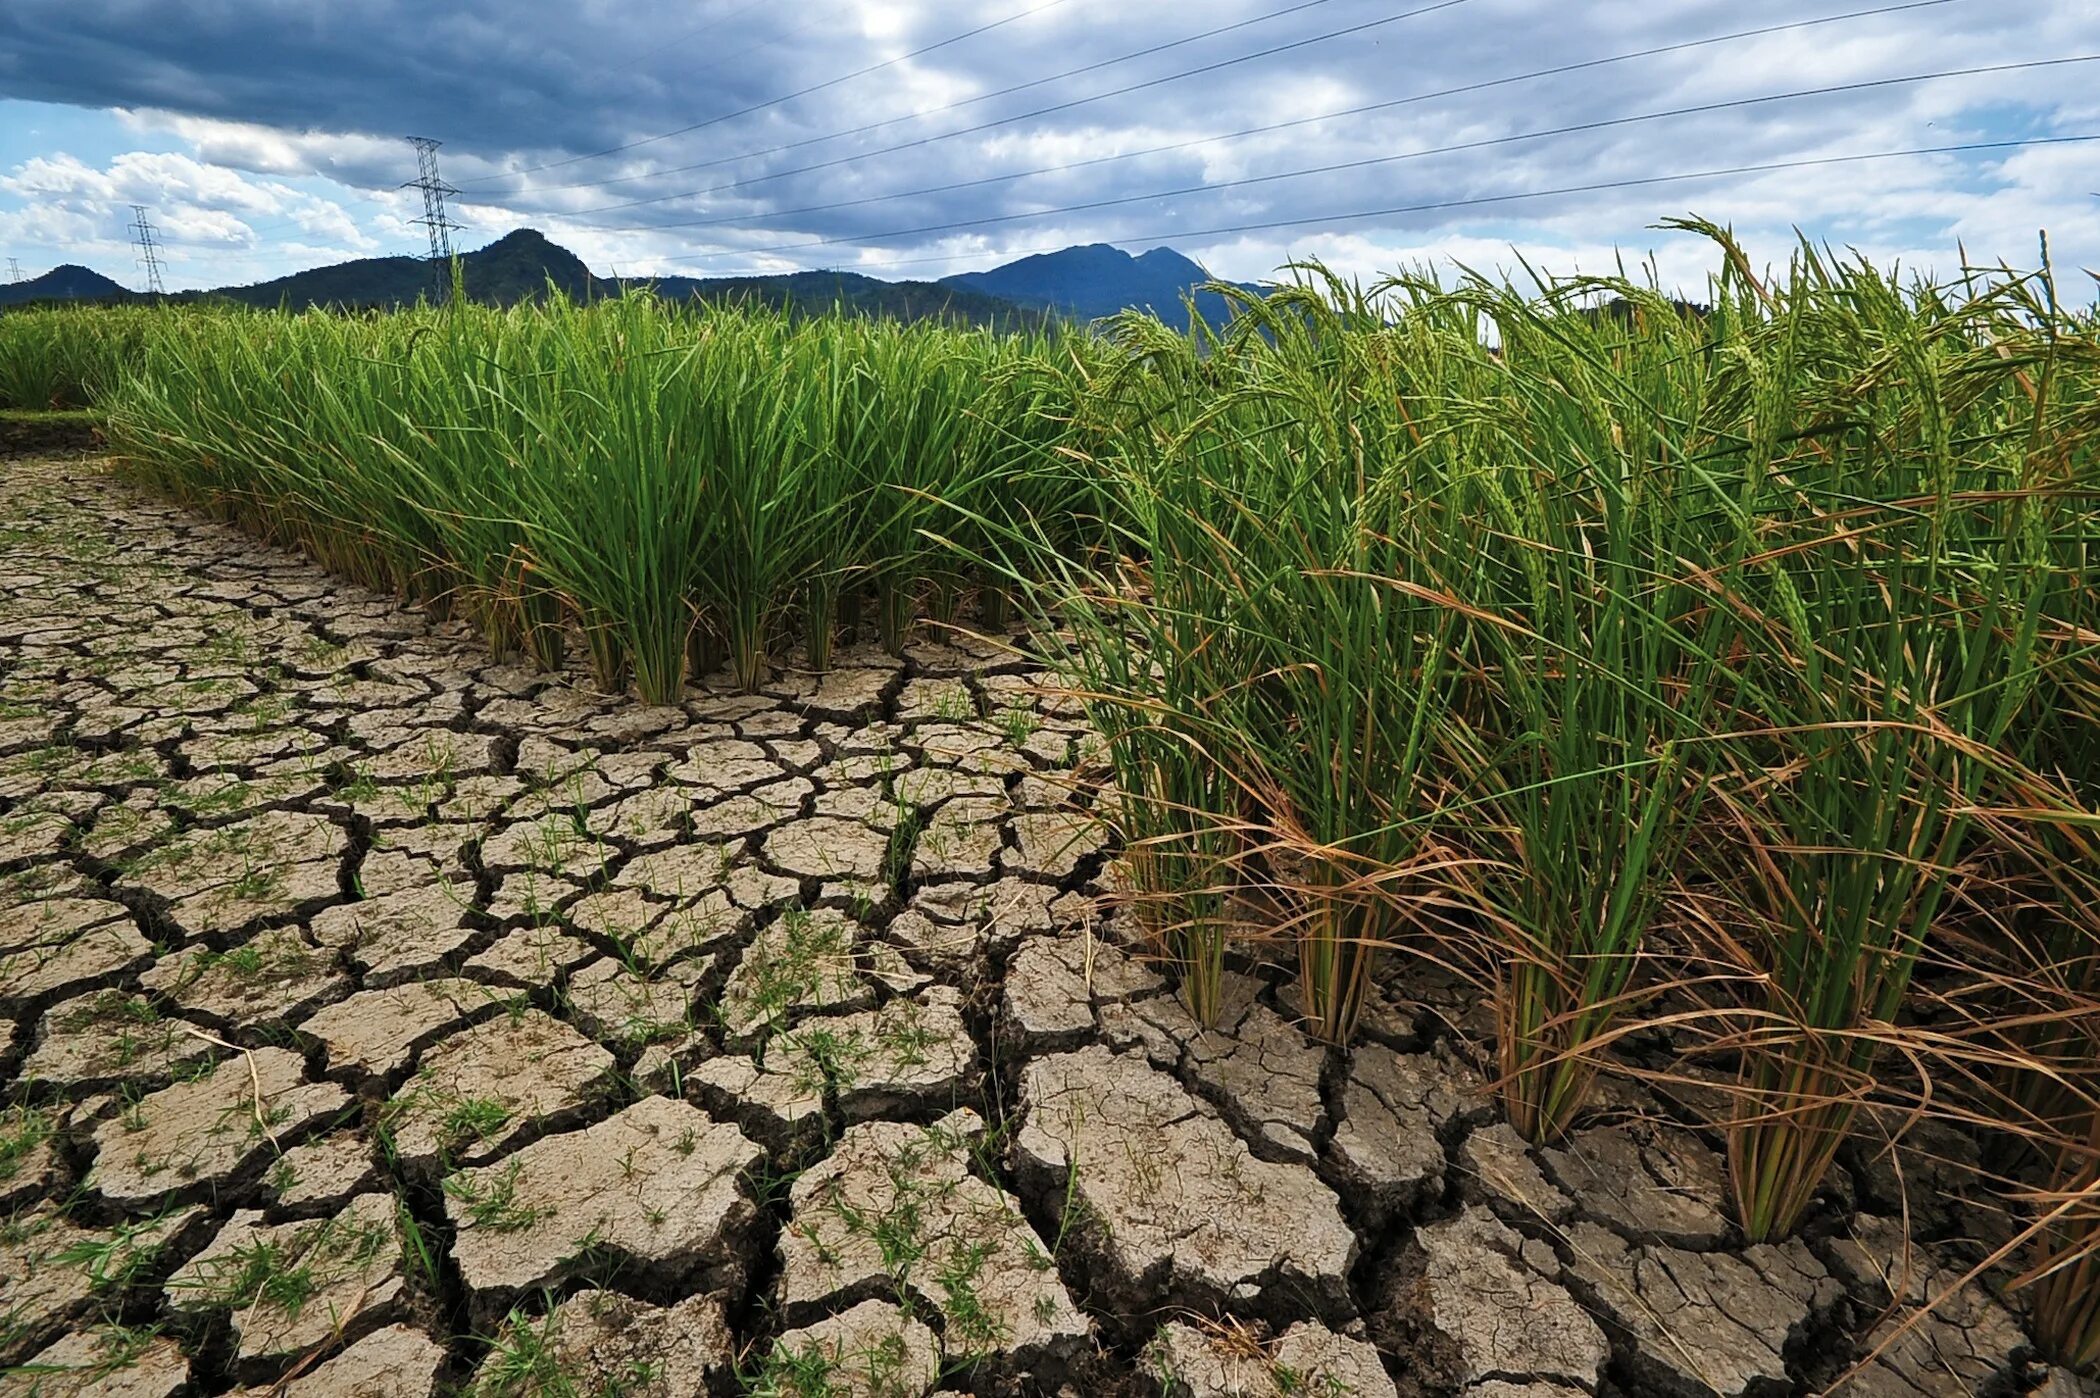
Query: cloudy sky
916	138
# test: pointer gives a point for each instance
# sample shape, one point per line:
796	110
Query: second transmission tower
14	271
435	219
143	234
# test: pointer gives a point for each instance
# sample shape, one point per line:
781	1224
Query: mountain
1099	280
1083	283
815	293
67	283
516	267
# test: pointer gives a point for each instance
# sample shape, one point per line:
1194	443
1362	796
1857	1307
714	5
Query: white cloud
510	83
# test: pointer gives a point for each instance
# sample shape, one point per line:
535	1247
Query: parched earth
386	1021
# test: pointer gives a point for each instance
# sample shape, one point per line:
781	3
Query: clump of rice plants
1283	656
1888	592
1620	650
2035	1026
1595	653
2065	1277
675	486
53	359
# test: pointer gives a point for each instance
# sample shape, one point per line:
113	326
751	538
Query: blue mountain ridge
1097	280
1083	283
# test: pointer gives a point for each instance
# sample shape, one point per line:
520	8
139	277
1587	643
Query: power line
435	219
356	198
1344	32
1437	94
777	101
965	102
1478	201
1330	116
1367	162
1213	67
956	105
1271	126
143	234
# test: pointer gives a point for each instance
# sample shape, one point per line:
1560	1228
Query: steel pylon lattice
143	233
436	221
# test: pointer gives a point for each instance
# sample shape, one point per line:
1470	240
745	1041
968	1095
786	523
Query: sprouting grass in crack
1294	1383
877	1369
903	1036
474	1118
244	960
897	856
117	1348
788	969
457	1120
523	1362
115	1262
263	1274
131	1024
131	1109
22	1130
226	798
1018	723
286	1273
823	1058
970	1328
489	1199
954	704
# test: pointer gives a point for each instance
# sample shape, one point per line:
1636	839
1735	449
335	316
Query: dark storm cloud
510	84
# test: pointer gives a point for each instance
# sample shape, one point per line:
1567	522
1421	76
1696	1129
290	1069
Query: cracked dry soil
387	1021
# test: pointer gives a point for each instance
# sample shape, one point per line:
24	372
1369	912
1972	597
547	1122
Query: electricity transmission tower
14	271
435	219
143	233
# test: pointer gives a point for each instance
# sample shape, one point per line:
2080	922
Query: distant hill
1099	280
816	293
67	283
516	267
1622	310
1083	283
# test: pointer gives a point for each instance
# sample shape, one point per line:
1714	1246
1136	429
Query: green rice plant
777	482
1888	588
677	481
1027	464
2065	1280
1144	663
1349	543
610	454
904	419
846	417
1174	802
454	410
68	358
1292	630
2024	1016
2048	1033
1611	647
2039	960
1599	657
281	423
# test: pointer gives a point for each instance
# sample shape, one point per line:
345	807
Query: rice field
1718	689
